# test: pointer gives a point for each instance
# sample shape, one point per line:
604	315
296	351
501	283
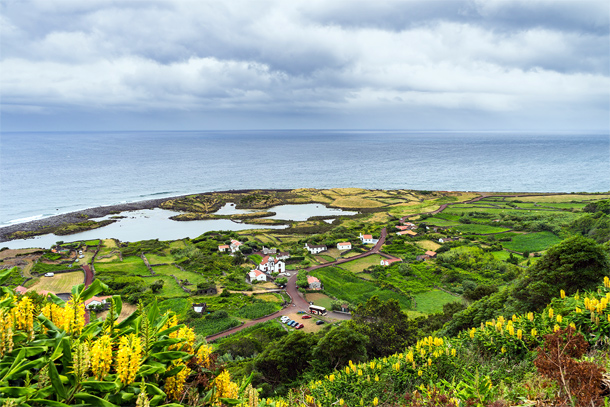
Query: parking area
309	324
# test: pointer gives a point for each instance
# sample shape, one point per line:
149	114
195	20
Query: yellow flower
562	294
128	358
174	385
203	355
331	378
419	372
530	316
550	313
606	282
559	318
503	350
341	402
225	388
101	357
534	332
453	352
188	335
375	401
376	378
519	334
578	310
472	332
556	328
6	332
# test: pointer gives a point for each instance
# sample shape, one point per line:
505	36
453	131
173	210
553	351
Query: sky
68	65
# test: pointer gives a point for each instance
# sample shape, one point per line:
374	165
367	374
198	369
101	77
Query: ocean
43	174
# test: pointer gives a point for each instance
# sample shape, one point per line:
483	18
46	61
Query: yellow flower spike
514	318
362	401
511	330
556	328
578	310
341	402
559	318
359	372
225	388
550	313
573	325
203	355
530	316
519	334
419	372
375	401
174	385
576	296
587	301
503	350
562	294
472	332
372	365
331	378
534	332
376	378
606	282
453	352
429	362
128	358
101	357
347	370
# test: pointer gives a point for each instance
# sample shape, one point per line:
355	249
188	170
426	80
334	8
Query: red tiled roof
430	253
367	236
224	246
265	260
312	279
343	243
257	273
401	227
411	233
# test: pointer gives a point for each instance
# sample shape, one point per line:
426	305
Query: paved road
88	275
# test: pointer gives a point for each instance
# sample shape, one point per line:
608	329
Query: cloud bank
444	64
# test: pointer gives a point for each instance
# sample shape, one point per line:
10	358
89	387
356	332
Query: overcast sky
199	65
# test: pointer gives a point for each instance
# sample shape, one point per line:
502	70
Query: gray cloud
317	63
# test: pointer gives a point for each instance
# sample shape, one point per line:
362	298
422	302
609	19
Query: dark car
319	322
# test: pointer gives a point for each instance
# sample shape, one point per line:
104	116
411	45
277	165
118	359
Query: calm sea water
43	174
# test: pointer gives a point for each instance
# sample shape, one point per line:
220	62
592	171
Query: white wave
23	220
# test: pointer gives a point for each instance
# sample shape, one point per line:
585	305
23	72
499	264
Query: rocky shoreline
79	216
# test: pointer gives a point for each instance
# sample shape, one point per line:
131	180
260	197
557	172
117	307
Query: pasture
356	266
320	299
129	265
59	283
480	229
532	242
431	302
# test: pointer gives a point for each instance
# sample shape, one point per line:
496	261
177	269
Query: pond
155	224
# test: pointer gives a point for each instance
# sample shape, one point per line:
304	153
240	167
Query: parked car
299	326
293	324
306	316
284	319
49	274
320	322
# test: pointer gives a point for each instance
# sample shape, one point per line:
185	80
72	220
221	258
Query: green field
344	285
440	222
480	229
180	306
532	242
193	278
320	299
356	266
129	265
155	258
432	302
170	287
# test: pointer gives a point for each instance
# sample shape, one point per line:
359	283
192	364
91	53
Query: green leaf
92	400
4	275
157	399
231	402
16	363
56	381
169	355
153	312
56	300
34	350
95	288
45	402
100	386
17	391
118	304
246	383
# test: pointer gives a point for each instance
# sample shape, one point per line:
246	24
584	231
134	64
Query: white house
313	249
344	246
224	248
387	262
366	239
282	256
234	245
271	265
268	251
257	275
96	301
445	239
199	307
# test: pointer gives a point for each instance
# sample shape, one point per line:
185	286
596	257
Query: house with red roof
430	253
344	246
234	245
368	239
315	249
271	265
257	275
314	283
224	248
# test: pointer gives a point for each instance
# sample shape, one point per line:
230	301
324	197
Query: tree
157	286
388	329
577	263
341	345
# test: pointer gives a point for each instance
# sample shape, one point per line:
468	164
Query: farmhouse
271	265
256	275
235	245
224	248
313	249
366	239
445	240
314	283
387	262
96	301
431	253
344	246
409	233
402	227
410	226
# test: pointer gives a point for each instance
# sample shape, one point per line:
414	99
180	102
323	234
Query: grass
326	257
257	258
59	283
320	299
179	306
193	278
346	286
129	265
432	302
440	222
356	266
560	198
356	202
428	245
269	297
170	287
154	258
257	310
207	326
532	242
480	229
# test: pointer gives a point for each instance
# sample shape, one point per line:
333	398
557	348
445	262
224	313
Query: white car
285	318
49	274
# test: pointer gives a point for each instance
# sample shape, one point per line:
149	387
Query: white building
387	262
368	239
344	246
224	248
234	245
271	265
257	275
313	249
